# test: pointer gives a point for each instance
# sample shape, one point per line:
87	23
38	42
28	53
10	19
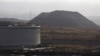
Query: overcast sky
21	8
70	1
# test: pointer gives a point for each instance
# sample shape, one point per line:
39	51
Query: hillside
67	36
63	19
71	39
95	19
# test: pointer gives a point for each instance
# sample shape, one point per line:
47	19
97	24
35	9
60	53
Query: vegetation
71	38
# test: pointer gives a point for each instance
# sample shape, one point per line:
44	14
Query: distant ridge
12	20
8	21
63	19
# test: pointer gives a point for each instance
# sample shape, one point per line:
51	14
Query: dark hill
63	19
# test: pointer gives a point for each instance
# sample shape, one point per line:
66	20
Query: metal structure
16	37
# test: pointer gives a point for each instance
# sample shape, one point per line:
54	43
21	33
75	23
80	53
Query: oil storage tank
13	37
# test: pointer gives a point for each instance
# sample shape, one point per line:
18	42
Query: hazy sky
21	8
70	1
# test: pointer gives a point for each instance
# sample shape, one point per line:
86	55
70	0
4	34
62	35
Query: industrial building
14	37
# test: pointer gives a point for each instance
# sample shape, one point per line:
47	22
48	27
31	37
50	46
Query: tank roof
19	26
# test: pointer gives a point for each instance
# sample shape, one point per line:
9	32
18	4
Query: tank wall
19	36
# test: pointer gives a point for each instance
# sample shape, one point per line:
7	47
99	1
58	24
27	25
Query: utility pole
30	14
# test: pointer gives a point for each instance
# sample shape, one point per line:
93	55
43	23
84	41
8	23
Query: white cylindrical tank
19	36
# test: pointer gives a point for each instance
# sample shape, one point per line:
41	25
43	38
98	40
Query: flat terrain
71	38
